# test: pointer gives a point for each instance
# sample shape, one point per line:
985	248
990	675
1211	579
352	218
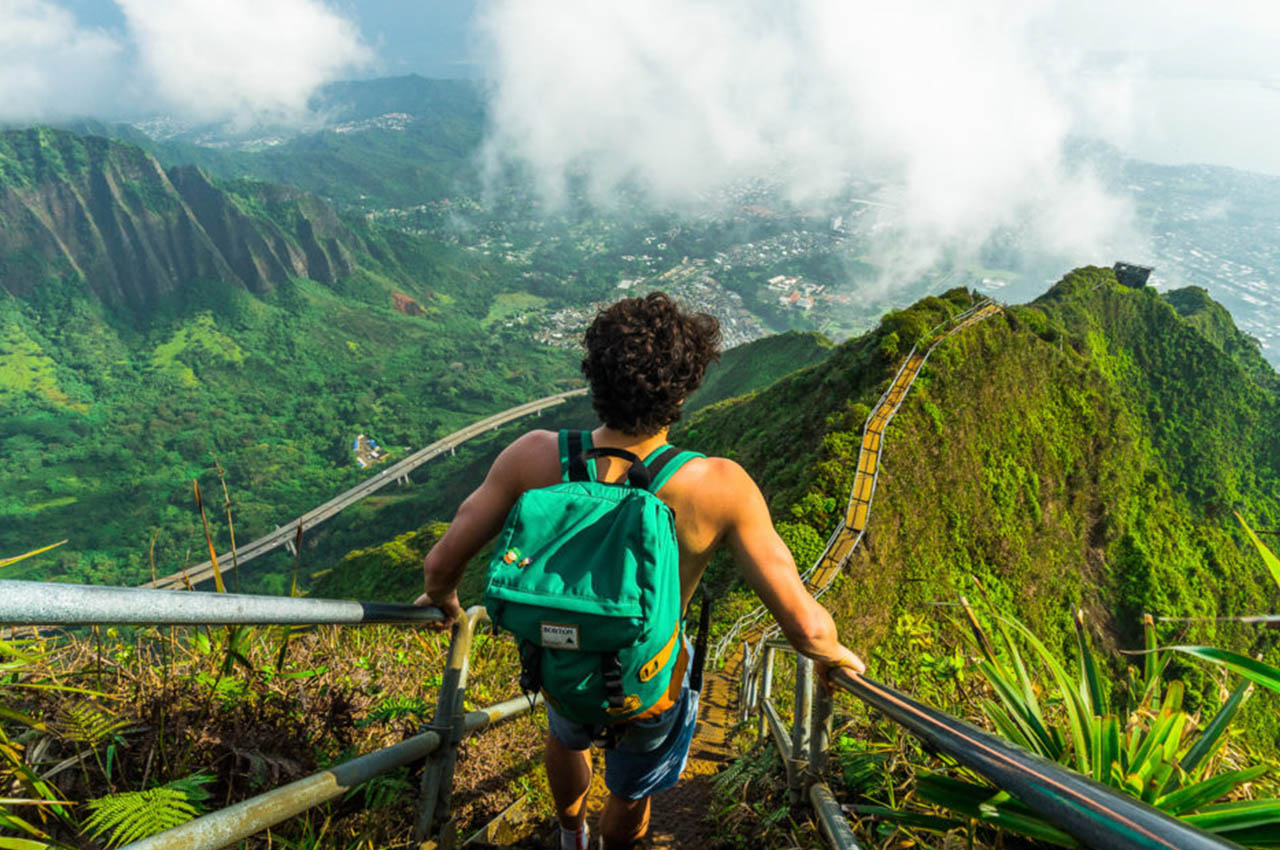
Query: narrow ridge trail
680	815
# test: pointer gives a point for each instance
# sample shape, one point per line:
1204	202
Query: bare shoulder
531	460
534	442
714	477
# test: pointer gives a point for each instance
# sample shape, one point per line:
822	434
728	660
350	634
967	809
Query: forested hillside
151	319
1086	449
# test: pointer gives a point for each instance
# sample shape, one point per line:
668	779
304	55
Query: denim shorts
649	755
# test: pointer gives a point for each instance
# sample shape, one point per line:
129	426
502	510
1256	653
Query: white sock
574	840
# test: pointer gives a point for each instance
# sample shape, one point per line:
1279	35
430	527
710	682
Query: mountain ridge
108	213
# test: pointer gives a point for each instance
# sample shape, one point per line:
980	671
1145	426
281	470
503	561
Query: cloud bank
952	105
243	62
50	66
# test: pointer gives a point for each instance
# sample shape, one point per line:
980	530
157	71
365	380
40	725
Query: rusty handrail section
234	823
436	792
835	827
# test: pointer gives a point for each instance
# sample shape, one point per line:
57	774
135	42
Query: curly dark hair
645	356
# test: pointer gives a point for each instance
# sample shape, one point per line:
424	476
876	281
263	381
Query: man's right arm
769	569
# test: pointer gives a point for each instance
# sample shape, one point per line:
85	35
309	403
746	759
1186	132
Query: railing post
449	723
801	723
766	684
751	684
820	734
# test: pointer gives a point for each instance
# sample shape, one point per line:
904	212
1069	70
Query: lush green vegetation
109	740
758	364
1084	451
1108	481
1136	738
113	398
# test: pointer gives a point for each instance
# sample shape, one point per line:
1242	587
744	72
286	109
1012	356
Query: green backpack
586	574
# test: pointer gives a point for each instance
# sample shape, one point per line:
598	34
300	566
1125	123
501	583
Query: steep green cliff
1086	449
152	319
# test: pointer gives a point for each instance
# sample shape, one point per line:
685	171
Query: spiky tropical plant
1251	669
22	789
1144	744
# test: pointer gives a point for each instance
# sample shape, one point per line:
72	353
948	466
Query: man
644	356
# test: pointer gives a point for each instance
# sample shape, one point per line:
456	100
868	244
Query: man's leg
569	775
623	822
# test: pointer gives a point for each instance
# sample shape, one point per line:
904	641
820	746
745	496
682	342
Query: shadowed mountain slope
107	213
151	319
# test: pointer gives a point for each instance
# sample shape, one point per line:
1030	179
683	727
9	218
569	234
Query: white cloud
238	61
244	61
50	66
949	102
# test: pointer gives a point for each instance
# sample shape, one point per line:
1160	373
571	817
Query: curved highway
285	534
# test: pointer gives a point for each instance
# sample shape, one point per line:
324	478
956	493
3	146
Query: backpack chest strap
662	463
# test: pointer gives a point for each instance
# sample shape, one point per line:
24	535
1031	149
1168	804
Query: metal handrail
29	603
1094	814
235	823
1097	816
438	744
37	603
803	749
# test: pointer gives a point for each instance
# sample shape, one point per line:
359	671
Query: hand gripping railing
27	603
1098	817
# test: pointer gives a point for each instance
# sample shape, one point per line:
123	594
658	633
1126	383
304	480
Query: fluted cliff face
107	214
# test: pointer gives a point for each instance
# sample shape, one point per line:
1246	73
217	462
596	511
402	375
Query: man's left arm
478	520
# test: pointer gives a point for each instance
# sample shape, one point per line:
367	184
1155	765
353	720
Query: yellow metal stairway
677	814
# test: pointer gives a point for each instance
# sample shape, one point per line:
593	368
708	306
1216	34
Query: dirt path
681	815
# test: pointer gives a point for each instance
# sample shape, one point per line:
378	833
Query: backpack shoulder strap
573	466
666	462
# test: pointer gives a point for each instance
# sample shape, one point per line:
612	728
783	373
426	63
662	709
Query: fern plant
87	723
134	815
398	708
